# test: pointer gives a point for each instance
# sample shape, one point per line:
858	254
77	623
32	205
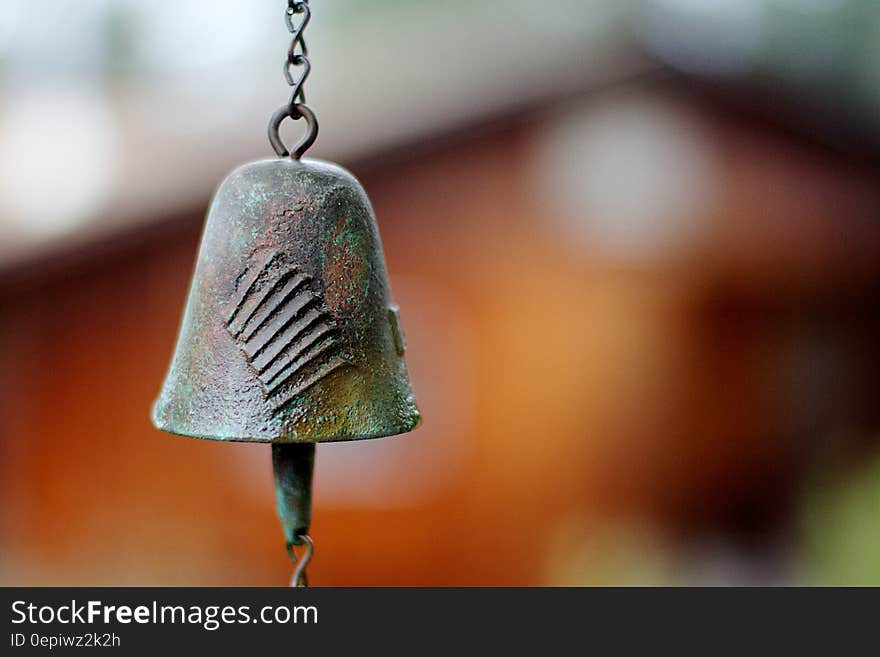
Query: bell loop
295	112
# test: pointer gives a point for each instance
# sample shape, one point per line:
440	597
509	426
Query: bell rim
268	440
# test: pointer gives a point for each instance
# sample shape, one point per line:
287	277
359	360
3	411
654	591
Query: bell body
289	333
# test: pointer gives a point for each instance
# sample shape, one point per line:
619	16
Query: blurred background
636	245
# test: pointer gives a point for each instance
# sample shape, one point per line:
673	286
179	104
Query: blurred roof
117	114
151	103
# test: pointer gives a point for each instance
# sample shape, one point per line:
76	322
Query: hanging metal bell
290	334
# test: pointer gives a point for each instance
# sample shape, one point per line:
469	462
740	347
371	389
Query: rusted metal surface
289	333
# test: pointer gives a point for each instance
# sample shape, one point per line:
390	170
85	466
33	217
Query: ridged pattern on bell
283	328
289	333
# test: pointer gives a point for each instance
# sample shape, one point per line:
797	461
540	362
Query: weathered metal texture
289	332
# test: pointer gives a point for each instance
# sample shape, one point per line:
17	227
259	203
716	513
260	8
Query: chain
297	58
298	53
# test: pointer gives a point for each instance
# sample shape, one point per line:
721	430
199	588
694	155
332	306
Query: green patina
346	266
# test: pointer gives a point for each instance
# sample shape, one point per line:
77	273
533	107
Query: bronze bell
290	335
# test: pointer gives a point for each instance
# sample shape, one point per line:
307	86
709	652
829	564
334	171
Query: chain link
300	578
297	54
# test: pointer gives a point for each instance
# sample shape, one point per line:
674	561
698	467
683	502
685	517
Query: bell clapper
293	465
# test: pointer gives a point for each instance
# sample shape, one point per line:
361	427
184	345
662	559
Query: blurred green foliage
840	522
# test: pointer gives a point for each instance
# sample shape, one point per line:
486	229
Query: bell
290	335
